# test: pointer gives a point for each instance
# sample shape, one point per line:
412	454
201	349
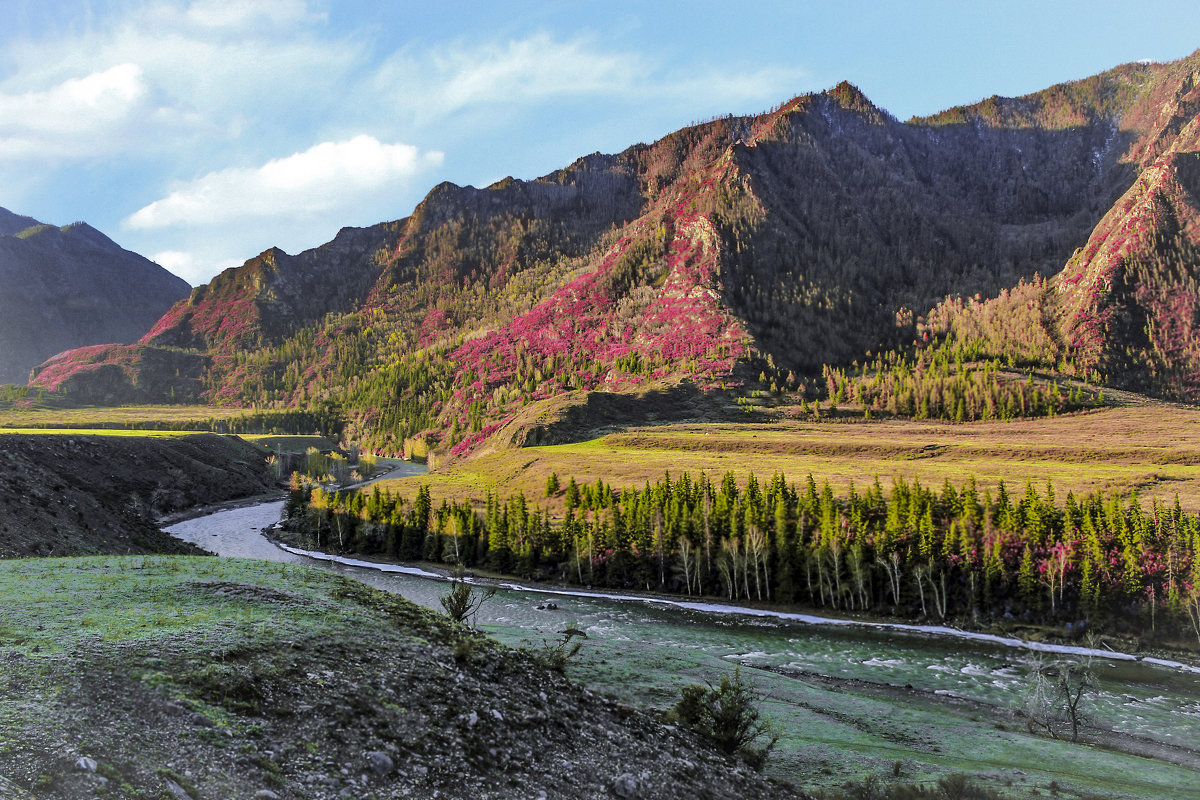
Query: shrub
462	603
729	717
555	656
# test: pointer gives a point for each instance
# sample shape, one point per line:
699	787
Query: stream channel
850	700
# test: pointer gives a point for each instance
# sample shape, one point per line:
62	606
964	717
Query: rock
85	764
626	786
380	763
265	794
472	719
499	717
177	791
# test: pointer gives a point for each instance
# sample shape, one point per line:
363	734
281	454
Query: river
851	699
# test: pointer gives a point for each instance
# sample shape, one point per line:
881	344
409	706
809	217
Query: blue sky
201	132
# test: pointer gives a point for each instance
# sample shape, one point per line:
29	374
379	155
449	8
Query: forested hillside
744	252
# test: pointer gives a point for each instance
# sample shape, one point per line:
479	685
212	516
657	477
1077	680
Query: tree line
942	384
907	550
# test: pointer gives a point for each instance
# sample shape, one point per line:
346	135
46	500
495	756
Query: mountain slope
742	249
1125	308
65	287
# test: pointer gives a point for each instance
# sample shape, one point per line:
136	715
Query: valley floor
1153	448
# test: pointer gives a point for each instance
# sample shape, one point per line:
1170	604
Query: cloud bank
316	181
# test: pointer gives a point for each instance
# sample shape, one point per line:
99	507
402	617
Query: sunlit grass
1154	449
156	434
107	416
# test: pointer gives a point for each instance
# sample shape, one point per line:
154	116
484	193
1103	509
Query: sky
201	132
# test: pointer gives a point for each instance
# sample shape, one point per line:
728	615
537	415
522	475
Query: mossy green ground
227	677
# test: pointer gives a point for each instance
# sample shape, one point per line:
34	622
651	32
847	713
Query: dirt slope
67	494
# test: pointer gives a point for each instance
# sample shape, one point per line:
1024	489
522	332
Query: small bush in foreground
729	717
462	603
555	656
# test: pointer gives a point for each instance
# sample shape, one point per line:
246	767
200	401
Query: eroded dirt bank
67	494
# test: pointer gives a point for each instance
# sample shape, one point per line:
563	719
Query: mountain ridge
765	245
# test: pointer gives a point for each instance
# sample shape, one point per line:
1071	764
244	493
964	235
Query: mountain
745	251
61	288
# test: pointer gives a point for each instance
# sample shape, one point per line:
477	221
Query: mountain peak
851	98
69	287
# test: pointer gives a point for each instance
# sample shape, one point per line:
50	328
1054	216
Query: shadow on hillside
588	415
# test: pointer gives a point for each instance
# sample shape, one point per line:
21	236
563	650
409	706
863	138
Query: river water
850	699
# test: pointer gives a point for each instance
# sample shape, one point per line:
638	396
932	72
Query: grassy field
154	434
1153	448
101	417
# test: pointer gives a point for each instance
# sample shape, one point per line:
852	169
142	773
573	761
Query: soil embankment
69	494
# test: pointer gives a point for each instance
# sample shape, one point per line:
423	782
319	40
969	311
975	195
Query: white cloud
435	83
528	70
73	116
191	267
327	176
167	77
238	14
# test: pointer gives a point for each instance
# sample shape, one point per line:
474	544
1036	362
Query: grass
289	444
216	637
99	416
1153	448
157	434
135	599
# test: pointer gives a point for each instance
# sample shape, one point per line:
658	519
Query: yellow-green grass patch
104	416
1154	449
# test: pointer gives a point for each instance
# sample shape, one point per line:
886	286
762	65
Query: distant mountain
742	251
62	288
